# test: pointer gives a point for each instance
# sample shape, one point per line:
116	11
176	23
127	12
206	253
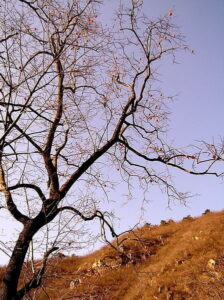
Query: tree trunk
13	271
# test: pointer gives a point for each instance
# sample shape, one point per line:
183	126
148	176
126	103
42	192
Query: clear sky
198	112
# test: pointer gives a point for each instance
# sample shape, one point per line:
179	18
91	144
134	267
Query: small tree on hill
78	100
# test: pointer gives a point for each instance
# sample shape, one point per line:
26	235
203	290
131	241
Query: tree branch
35	282
30	186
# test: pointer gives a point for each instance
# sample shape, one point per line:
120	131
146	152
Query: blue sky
197	113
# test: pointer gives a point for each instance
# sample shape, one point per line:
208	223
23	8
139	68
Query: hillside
183	260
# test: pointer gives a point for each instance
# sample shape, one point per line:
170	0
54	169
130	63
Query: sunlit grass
183	260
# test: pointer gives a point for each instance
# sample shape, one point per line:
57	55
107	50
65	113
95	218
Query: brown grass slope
178	261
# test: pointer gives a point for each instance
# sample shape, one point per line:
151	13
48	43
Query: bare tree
79	100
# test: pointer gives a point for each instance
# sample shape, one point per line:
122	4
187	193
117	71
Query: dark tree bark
14	267
13	271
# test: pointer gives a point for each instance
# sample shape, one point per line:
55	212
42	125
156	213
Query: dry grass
178	261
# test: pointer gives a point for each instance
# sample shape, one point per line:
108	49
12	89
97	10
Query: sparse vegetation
163	222
207	211
166	263
189	217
